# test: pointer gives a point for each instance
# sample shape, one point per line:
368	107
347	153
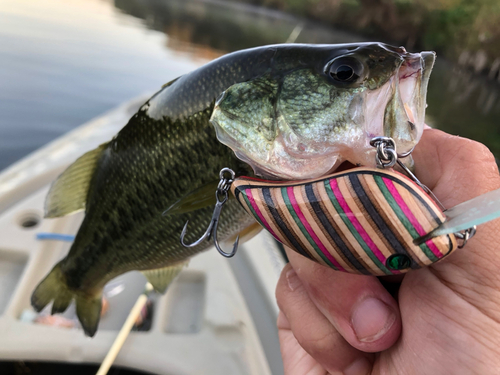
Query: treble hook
222	191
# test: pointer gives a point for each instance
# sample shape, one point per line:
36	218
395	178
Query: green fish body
171	151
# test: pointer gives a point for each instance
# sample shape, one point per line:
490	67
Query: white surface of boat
218	317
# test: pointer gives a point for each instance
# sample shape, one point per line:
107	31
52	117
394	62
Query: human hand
445	319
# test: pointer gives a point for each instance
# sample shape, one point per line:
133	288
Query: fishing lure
363	220
372	221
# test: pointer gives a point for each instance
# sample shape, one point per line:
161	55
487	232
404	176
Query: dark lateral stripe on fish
334	234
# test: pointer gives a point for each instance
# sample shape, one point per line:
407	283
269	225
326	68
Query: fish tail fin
54	288
88	310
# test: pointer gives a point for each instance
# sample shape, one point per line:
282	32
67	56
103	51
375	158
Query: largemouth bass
288	111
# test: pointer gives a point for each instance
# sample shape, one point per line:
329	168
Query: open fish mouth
413	78
396	110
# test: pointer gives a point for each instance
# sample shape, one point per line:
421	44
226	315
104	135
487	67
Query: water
63	62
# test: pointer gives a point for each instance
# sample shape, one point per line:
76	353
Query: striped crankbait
363	220
372	221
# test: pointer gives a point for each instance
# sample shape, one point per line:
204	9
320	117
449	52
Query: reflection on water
62	63
65	62
211	28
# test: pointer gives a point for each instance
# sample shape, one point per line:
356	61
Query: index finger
458	169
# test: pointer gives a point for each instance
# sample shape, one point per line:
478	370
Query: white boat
218	317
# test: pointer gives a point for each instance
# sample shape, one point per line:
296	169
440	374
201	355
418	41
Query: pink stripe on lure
306	225
413	220
311	210
352	218
255	207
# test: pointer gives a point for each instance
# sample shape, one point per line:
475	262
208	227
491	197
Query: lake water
63	62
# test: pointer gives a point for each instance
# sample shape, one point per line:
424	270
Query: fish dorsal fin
161	278
194	200
68	194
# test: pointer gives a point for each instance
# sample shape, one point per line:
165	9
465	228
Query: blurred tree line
467	31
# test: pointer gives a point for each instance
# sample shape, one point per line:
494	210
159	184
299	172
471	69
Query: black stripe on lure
363	220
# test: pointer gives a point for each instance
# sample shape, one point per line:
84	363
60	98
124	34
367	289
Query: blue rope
55	237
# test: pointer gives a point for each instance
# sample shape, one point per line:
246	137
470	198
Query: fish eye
344	73
345	69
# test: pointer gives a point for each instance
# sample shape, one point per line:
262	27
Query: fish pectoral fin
161	278
54	288
194	200
68	194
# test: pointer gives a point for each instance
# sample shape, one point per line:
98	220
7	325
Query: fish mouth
397	110
413	78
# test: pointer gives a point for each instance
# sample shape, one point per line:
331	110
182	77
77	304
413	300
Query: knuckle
471	162
474	151
481	152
